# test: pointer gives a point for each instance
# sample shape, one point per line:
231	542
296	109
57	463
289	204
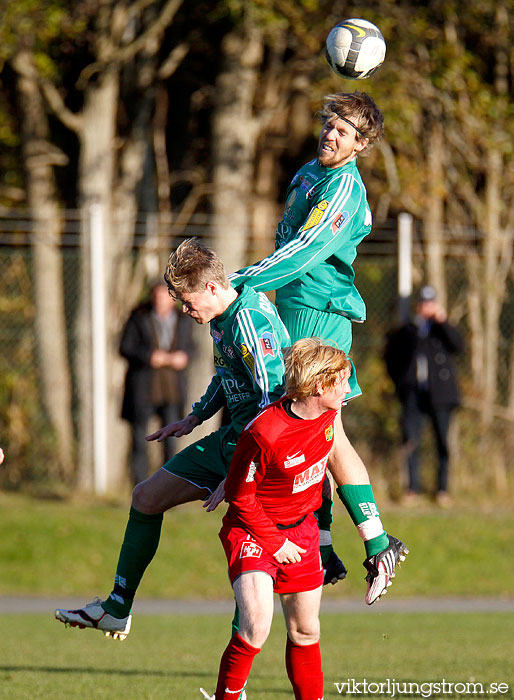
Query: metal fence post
405	227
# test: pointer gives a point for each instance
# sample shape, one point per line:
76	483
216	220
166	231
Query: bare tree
40	157
109	170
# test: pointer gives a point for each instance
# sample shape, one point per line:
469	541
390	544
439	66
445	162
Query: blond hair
191	266
311	364
358	108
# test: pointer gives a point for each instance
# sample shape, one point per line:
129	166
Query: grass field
64	549
61	548
167	657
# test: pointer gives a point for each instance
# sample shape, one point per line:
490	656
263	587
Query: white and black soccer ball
355	49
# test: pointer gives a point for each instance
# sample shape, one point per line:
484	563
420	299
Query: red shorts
246	554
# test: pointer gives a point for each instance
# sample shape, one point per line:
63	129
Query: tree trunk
234	142
234	139
494	281
434	212
493	286
48	274
475	322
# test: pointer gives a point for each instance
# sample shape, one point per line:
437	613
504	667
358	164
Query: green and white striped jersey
248	362
325	218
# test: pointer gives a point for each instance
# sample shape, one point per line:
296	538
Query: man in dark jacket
420	360
157	343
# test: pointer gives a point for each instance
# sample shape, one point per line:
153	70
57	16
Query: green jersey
248	361
325	218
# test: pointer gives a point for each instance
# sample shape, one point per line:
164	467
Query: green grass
167	657
63	548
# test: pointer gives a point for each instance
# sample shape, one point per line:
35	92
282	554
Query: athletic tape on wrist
370	528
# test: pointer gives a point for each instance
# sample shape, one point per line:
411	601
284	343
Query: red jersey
277	471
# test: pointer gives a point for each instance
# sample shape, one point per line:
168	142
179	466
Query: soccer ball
355	49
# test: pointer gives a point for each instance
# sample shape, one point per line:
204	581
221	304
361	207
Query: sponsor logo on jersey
268	344
288	211
250	549
248	358
293	460
219	361
228	351
252	468
309	477
301	178
329	433
235	391
216	335
305	185
265	304
282	234
340	220
238	398
316	215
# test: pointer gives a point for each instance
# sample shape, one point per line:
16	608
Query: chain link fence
481	463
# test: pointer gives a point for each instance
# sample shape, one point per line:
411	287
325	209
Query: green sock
137	551
363	510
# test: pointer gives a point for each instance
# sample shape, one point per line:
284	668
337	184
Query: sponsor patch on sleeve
268	344
248	358
329	433
339	221
316	215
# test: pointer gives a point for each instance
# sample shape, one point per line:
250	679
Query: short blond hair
191	266
310	363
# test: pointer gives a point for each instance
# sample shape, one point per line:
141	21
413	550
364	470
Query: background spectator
419	359
157	342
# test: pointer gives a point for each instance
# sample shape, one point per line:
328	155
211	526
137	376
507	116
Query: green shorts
205	463
333	328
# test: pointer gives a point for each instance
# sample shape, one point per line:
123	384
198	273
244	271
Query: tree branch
137	7
126	53
168	12
56	103
175	58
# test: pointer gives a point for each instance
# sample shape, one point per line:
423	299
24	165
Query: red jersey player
269	533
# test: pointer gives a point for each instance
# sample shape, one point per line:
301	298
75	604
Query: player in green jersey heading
326	216
248	337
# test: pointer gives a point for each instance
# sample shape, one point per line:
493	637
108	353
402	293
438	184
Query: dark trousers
416	409
139	453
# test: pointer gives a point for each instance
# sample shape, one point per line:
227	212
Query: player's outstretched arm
177	429
323	232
